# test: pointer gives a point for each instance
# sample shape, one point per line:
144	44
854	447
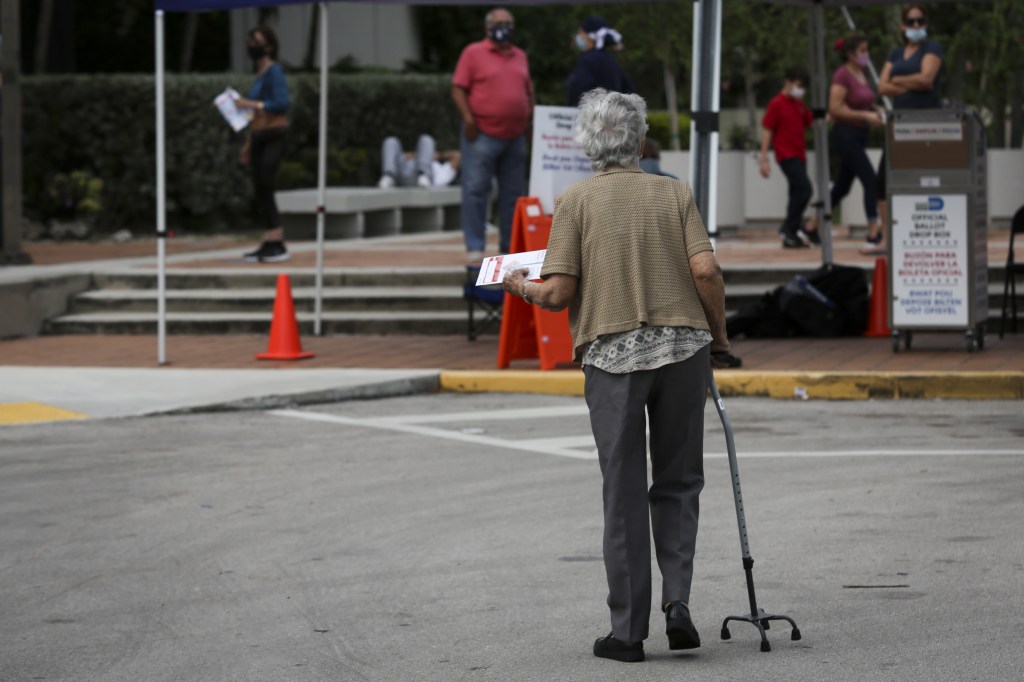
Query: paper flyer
225	103
493	269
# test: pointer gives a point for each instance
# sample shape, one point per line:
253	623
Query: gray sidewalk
126	392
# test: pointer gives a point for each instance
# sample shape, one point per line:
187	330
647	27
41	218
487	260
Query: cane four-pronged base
761	623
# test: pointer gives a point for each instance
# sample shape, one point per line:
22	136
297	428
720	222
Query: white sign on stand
557	160
929	261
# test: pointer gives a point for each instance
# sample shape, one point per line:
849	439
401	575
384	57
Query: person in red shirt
492	90
784	123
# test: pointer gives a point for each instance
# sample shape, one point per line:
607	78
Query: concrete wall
744	197
28	304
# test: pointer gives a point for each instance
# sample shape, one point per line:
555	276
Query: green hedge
104	125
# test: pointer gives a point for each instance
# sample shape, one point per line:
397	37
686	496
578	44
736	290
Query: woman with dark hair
851	104
911	75
265	145
596	68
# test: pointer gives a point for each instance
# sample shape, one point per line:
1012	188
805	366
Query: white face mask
796	92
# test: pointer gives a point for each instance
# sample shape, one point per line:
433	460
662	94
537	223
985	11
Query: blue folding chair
488	301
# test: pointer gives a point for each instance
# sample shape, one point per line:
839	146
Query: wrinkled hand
514	281
724	359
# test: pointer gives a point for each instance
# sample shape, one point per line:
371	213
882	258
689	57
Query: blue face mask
916	35
581	44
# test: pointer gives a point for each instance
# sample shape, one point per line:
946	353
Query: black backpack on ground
831	301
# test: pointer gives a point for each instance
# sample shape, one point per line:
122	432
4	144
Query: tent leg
321	176
161	195
819	105
707	29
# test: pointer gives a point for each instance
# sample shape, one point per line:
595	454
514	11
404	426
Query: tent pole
707	26
819	105
321	175
161	196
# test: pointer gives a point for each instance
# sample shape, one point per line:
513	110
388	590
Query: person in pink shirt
492	90
851	104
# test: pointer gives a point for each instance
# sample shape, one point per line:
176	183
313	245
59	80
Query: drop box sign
929	261
557	160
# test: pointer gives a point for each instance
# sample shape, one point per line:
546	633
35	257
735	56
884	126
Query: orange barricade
527	331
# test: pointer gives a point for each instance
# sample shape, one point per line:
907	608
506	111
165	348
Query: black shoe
811	236
679	628
254	256
791	241
269	252
609	647
273	252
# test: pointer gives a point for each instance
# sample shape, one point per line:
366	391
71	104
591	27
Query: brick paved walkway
931	352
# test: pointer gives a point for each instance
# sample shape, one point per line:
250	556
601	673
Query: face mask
916	35
863	58
257	52
581	44
796	92
501	33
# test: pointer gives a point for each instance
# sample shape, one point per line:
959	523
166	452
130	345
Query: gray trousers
403	170
673	398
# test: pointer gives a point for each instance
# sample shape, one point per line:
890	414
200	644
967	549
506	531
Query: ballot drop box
938	218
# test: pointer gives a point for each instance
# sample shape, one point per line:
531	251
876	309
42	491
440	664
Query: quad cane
757	616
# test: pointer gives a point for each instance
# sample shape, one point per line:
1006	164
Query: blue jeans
483	159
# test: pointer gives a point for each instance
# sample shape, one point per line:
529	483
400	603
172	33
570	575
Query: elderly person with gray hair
630	258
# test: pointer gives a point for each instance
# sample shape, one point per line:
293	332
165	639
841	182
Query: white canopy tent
162	6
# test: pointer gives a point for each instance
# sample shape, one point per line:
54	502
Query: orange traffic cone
878	312
284	329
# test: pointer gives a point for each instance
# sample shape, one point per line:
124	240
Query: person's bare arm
925	79
707	277
840	112
885	85
461	99
554	294
766	142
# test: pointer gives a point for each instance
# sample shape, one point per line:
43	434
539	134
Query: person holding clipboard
264	148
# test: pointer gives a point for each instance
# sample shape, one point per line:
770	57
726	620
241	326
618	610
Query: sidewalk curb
782	385
383	389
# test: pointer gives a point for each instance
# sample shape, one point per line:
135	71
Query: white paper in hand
494	269
225	103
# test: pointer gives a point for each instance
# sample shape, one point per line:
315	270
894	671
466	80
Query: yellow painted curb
784	385
34	413
554	382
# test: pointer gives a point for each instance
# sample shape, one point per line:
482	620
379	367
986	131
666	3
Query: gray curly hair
610	128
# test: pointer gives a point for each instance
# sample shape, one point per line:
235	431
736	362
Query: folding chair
1013	268
488	301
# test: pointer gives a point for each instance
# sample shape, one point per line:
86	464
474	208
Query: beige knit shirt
628	236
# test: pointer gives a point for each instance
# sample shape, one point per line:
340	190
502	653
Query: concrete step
229	278
393	323
261	300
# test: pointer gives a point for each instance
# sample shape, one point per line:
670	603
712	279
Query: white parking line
566	446
389	425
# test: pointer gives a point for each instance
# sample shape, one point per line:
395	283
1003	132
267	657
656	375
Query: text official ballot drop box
938	217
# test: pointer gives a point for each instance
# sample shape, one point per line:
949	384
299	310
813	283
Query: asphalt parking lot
458	537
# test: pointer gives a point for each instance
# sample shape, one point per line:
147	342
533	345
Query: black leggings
265	153
850	143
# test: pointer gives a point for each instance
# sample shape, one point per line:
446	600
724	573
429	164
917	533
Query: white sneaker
423	181
386	182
